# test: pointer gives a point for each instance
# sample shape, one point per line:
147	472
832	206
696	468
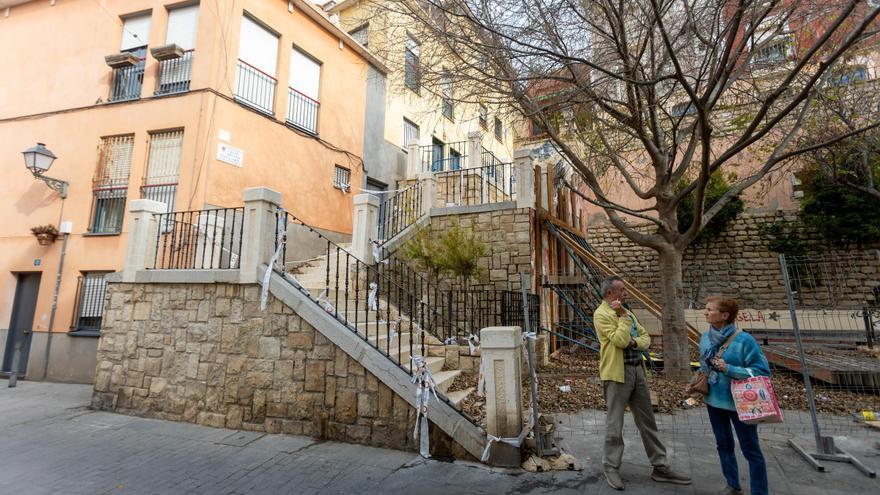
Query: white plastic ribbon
481	382
281	240
372	300
473	343
325	303
425	386
514	441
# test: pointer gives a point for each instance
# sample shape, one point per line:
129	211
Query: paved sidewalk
52	443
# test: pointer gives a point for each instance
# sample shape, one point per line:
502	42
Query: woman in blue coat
742	357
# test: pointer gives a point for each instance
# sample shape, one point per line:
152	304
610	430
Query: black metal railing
175	74
199	240
446	156
387	308
302	111
399	211
126	82
475	186
512	310
255	88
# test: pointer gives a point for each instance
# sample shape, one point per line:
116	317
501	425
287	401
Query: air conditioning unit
167	52
121	59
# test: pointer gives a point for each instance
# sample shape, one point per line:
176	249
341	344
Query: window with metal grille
412	64
342	178
361	34
446	89
110	184
499	130
410	133
91	290
163	165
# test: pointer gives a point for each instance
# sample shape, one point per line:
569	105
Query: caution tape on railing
425	386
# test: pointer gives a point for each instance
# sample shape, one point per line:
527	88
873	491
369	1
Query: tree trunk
676	356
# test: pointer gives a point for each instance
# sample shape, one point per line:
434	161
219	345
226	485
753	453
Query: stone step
459	395
444	379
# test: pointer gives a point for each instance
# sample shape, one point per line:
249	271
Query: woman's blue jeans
721	420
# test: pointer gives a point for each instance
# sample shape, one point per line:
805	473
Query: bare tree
670	91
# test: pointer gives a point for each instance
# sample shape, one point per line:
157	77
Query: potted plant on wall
45	234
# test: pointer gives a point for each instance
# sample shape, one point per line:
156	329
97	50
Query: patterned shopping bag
755	400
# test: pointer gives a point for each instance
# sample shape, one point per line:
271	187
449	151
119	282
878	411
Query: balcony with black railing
126	82
438	157
255	88
175	74
302	111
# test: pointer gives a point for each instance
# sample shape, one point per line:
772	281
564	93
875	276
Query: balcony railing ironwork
199	240
126	81
302	111
175	74
255	88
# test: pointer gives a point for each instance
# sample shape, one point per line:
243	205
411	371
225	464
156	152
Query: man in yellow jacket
622	341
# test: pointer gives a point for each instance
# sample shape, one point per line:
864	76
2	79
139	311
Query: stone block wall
507	236
207	354
739	263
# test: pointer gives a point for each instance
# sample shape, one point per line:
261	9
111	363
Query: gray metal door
20	325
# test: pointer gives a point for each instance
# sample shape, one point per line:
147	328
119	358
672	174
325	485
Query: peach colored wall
61	81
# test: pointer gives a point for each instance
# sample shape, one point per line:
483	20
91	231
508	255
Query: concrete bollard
501	355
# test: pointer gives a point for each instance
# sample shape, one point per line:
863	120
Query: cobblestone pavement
53	444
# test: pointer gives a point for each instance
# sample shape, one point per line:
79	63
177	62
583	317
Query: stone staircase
399	341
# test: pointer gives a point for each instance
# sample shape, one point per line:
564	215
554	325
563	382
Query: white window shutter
258	47
182	23
305	74
135	32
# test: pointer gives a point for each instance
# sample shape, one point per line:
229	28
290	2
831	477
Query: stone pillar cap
500	337
366	199
262	194
147	205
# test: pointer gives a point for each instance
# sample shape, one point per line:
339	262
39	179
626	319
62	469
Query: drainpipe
65	229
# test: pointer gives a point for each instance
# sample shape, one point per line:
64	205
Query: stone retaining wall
738	263
207	354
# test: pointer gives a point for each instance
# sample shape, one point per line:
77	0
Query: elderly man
622	341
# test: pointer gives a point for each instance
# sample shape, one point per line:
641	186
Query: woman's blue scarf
716	340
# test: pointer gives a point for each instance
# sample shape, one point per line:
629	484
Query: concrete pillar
413	161
474	150
501	355
525	179
143	229
366	227
258	238
429	191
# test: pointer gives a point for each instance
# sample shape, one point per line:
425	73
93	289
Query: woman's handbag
699	384
755	400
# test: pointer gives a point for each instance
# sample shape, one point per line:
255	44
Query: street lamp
38	159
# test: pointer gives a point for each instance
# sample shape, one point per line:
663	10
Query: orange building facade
184	103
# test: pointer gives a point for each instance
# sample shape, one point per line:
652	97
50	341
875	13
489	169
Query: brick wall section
207	354
738	263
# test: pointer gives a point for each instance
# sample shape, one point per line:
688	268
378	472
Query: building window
412	68
499	130
797	186
163	165
410	133
361	34
257	63
484	117
127	81
303	91
446	91
342	178
437	156
774	51
454	159
110	184
91	292
537	129
175	73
